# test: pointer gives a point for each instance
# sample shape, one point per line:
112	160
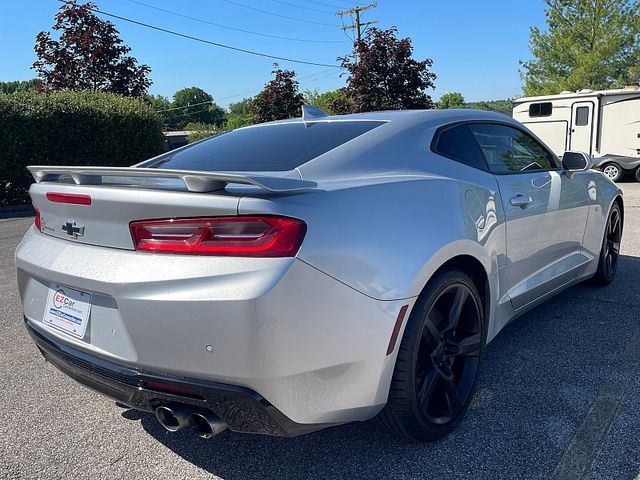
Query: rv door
581	135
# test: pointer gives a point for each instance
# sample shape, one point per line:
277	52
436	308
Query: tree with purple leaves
383	75
88	55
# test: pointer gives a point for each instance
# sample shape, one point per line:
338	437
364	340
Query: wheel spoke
609	264
465	347
452	397
427	386
430	333
455	311
613	246
615	221
445	372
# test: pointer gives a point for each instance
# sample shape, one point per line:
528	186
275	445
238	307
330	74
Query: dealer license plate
67	310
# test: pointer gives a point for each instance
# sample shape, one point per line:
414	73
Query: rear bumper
242	409
311	346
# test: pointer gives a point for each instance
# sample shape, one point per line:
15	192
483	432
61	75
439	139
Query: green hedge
71	128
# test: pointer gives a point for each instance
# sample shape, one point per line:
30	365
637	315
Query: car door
581	131
545	210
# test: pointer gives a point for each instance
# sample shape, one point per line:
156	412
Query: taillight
243	236
37	221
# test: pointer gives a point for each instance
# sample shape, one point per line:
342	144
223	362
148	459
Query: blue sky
475	45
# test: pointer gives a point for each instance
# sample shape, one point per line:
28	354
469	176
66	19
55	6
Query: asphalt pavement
559	397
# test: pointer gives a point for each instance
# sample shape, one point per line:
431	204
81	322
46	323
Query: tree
193	104
240	114
451	100
242	108
199	131
331	101
503	106
18	86
280	98
162	105
384	76
588	44
88	55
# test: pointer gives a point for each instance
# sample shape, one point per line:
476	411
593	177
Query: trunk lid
105	222
95	205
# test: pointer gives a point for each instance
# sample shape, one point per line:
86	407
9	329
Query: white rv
602	123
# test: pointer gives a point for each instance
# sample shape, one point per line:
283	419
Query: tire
610	251
613	171
638	174
438	360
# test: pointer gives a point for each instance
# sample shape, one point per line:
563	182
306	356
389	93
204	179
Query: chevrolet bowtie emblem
73	230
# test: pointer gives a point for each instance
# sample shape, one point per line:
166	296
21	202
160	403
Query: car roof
407	117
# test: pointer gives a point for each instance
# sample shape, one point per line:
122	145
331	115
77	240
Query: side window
582	116
457	143
509	150
540	109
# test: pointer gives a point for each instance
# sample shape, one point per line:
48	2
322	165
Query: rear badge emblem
73	230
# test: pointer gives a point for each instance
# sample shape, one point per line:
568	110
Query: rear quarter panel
386	237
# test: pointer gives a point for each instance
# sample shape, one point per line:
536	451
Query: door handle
520	200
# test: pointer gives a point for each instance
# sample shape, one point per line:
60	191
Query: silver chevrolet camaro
290	276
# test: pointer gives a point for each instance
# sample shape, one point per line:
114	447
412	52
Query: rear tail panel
104	214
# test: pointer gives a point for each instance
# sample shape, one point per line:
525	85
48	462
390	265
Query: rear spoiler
195	181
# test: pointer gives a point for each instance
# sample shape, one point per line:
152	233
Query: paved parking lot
559	397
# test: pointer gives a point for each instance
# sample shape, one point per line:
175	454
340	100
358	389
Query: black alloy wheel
438	360
449	354
608	263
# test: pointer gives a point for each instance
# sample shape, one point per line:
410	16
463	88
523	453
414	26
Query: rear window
459	144
278	147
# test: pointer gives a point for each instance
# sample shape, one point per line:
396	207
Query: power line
208	42
233	28
302	7
189	113
266	12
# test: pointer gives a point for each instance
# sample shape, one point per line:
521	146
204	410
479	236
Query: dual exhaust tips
177	416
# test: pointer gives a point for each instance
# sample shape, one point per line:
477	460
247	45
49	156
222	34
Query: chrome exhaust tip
206	424
173	417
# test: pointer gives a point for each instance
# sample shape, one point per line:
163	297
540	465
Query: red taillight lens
244	236
37	221
71	198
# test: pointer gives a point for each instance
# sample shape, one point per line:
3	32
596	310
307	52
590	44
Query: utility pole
358	24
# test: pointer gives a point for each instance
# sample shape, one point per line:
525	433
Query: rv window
540	109
582	116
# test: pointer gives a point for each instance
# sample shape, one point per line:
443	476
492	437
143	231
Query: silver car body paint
310	333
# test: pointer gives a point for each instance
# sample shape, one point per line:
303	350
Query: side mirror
576	161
